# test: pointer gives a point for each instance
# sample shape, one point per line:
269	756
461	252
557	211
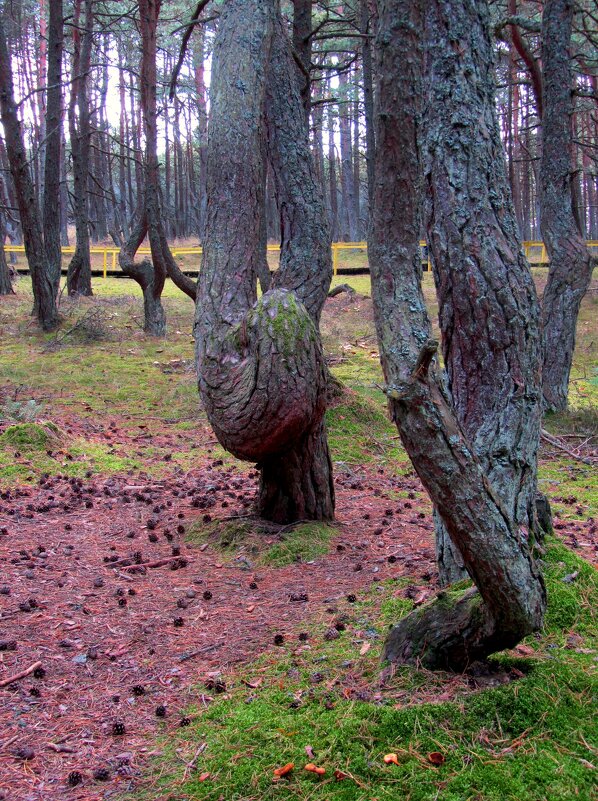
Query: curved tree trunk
571	264
78	278
488	309
261	369
143	272
449	632
162	258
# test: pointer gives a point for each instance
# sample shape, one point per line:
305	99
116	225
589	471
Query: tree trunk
368	99
488	309
43	292
162	258
53	156
261	369
5	279
571	265
78	278
449	632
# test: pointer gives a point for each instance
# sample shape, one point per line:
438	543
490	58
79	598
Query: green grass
263	544
527	740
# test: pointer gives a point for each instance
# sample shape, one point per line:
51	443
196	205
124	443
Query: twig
198	651
190	765
561	446
20	675
60	749
157	563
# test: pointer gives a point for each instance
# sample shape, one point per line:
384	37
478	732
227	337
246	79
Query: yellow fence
534	251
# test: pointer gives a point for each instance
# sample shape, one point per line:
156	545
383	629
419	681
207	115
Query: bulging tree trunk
571	264
509	603
262	375
488	309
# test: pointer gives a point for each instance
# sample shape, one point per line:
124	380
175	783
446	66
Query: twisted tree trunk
452	631
488	309
261	369
571	264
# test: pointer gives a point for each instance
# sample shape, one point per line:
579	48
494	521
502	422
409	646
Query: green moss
30	436
255	541
525	740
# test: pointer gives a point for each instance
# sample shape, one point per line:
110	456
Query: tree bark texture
53	155
488	309
162	258
78	278
262	375
571	264
451	631
43	291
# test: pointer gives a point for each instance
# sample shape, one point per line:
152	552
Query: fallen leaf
309	751
286	769
250	608
364	648
339	775
525	650
436	758
315	769
391	758
204	776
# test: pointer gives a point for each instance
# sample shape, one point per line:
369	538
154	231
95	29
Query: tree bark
261	369
53	155
78	278
163	261
451	631
43	291
488	309
571	264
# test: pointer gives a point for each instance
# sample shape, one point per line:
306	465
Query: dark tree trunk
143	273
78	277
509	604
571	265
53	155
261	370
5	279
163	261
43	292
302	11
488	309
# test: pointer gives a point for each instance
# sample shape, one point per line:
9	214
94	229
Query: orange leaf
315	769
436	758
391	758
284	770
204	776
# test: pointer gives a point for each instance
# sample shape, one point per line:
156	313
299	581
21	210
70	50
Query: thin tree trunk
571	264
78	277
450	632
53	155
43	291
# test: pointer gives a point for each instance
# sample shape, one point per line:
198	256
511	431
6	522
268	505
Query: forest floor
185	651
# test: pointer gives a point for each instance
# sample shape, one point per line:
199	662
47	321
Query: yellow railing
535	252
